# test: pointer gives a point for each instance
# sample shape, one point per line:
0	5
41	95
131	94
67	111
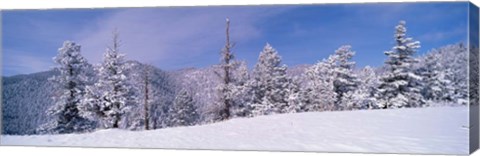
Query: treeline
116	98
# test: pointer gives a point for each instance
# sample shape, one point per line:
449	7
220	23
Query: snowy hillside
26	98
25	101
439	130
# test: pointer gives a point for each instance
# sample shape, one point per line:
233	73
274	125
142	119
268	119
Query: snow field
436	130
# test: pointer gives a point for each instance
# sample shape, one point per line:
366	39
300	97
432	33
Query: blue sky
179	37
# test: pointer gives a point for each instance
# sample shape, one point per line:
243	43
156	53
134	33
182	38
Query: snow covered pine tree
345	82
112	96
269	87
330	80
399	86
437	87
444	71
454	58
319	91
239	90
70	86
183	112
367	88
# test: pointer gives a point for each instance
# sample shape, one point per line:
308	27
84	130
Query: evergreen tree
352	100
296	97
473	74
434	78
368	87
239	90
183	111
335	72
113	95
269	87
319	92
345	79
455	57
71	89
400	85
444	73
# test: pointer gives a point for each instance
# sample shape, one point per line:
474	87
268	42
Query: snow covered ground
439	130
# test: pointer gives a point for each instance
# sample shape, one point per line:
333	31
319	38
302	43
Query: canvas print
362	78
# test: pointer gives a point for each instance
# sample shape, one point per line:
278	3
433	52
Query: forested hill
27	97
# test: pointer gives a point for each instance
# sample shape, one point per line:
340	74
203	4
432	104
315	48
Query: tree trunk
115	122
146	101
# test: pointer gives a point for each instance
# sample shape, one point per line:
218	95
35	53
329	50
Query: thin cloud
19	63
169	36
442	35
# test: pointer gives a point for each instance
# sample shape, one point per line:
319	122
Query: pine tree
183	111
455	57
335	72
71	89
345	79
113	95
296	97
269	87
399	86
352	100
319	92
444	73
367	88
473	74
239	90
433	78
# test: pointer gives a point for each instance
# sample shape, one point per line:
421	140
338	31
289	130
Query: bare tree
226	64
